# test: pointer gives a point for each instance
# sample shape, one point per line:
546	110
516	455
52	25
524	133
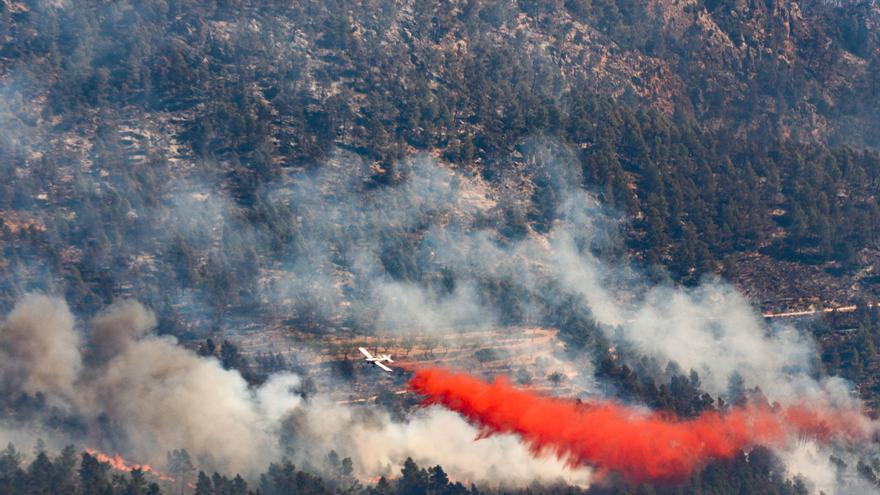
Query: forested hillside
137	99
187	154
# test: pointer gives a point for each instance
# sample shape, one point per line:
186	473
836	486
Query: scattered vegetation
66	474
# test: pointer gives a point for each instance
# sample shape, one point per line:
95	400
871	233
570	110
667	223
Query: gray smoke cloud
143	395
118	326
139	394
39	350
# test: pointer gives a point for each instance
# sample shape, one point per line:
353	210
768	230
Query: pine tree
93	476
204	486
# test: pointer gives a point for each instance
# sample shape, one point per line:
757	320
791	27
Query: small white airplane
377	360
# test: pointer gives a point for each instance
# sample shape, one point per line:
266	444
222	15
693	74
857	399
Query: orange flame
118	463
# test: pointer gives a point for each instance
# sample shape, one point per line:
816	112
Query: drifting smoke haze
711	328
348	223
413	257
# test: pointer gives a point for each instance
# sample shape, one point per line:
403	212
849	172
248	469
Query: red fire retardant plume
639	445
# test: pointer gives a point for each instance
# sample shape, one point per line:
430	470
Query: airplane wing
386	368
365	353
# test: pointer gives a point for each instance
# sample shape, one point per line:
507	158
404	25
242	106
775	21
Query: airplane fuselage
377	360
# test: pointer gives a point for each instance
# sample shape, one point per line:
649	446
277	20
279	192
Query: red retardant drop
641	446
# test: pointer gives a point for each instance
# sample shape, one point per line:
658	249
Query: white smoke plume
379	446
711	329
